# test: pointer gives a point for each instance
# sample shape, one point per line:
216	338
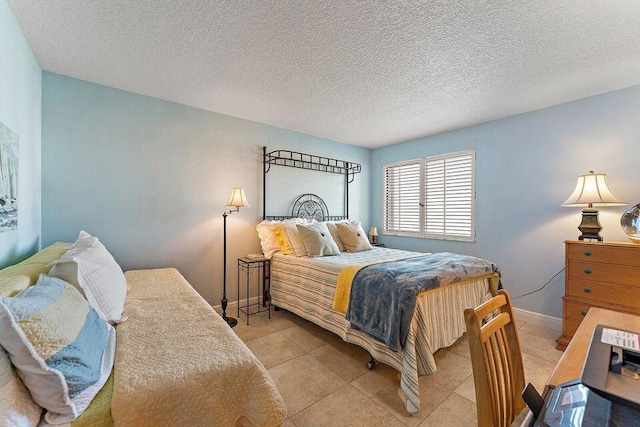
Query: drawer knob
583	312
587	290
587	253
587	271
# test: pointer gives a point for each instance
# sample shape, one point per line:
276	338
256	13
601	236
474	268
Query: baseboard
234	304
538	319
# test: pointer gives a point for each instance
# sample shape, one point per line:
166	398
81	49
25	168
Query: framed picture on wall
8	179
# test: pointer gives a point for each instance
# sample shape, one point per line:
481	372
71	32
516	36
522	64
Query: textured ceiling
369	73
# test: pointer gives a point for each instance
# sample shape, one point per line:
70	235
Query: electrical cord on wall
541	288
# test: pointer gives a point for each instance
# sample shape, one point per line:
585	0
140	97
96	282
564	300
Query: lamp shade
592	190
373	231
237	199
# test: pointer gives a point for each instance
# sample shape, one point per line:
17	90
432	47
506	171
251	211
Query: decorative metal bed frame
308	205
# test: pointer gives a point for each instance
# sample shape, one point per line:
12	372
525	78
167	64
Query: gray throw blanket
383	296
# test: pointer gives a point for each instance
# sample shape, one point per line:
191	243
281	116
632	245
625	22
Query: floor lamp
237	200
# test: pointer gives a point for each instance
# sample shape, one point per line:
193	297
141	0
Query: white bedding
179	364
306	286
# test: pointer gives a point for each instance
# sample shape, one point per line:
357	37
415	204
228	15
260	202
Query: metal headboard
309	206
298	160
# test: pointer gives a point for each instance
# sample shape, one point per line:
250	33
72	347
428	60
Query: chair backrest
498	371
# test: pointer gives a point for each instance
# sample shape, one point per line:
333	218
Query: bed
307	286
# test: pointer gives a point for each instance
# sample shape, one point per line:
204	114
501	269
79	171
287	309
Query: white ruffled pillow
269	241
92	270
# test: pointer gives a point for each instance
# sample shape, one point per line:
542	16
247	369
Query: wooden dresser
605	275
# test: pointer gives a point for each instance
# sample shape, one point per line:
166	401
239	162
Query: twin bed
306	286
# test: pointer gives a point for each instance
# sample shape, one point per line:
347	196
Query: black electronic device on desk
608	394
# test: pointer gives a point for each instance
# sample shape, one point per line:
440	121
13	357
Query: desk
572	361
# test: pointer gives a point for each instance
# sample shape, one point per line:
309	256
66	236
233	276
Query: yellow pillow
283	240
36	264
11	285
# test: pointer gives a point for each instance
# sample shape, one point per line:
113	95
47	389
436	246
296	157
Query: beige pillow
317	240
331	225
353	236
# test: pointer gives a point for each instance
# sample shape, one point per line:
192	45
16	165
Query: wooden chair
498	371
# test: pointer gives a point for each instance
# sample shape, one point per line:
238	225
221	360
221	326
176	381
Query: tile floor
324	381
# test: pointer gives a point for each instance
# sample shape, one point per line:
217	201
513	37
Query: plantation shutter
449	184
402	184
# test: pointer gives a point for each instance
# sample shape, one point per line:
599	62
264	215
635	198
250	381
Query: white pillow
268	240
92	270
17	407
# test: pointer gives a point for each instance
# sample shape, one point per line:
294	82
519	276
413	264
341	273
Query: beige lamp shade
237	199
373	231
592	190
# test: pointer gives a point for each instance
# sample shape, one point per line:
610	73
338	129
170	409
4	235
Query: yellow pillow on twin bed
11	285
37	263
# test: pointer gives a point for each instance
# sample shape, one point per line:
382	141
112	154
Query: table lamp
237	200
373	233
592	190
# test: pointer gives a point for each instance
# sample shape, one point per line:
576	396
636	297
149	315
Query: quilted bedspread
178	363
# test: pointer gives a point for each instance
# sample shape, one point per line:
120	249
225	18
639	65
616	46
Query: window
432	197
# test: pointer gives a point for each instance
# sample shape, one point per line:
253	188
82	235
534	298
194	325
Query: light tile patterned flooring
324	381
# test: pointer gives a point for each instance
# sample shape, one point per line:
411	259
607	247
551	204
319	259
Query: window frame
422	161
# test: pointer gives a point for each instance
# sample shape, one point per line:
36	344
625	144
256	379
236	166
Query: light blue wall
20	97
150	178
527	165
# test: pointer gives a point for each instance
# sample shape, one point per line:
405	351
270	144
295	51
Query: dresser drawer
625	254
606	273
575	310
604	292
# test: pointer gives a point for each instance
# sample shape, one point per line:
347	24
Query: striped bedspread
306	287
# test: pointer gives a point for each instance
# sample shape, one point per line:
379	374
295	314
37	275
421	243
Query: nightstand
378	245
259	271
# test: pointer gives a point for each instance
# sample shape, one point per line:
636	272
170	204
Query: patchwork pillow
92	270
17	407
61	348
353	236
317	240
